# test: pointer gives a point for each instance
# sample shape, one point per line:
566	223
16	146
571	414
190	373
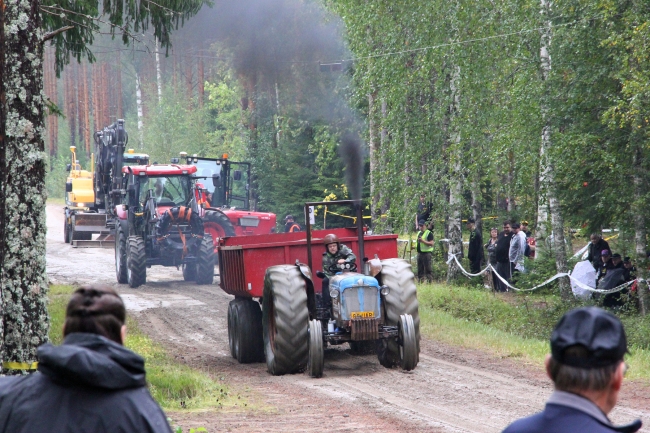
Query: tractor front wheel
120	255
245	331
66	230
285	320
136	262
205	259
316	359
408	344
402	299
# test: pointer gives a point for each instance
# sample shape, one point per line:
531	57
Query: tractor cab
225	182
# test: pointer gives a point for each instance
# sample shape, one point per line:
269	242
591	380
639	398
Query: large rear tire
402	299
285	320
205	259
316	359
217	225
120	255
245	331
136	262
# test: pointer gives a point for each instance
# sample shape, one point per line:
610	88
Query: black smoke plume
351	153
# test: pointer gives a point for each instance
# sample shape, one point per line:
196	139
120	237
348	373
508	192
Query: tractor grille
364	329
360	298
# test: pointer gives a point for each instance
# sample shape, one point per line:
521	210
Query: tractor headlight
81	204
384	290
334	293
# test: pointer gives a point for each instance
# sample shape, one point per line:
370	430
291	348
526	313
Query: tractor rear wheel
285	320
205	261
402	299
120	255
316	359
408	349
136	262
245	331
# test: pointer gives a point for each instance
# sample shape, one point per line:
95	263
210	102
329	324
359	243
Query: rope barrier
577	282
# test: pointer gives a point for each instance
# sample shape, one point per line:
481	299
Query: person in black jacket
475	248
90	383
503	257
597	245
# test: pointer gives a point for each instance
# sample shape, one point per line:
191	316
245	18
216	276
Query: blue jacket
569	413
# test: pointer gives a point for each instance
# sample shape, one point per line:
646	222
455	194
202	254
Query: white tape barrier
578	283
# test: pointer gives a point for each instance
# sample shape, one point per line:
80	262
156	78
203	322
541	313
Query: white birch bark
158	74
138	102
547	174
455	181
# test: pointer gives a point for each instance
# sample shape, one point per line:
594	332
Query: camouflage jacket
343	253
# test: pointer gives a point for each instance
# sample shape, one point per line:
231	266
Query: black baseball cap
599	332
421	222
288	217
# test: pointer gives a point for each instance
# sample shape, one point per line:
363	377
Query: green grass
174	386
512	325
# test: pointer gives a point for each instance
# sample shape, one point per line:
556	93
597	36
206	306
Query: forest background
521	109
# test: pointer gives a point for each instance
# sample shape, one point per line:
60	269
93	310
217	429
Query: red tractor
158	223
223	191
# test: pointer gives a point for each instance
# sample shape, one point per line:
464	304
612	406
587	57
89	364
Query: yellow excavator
82	216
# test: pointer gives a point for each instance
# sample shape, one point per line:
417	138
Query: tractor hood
358	296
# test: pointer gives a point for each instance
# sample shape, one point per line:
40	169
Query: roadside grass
174	386
514	326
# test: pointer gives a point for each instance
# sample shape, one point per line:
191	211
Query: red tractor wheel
217	225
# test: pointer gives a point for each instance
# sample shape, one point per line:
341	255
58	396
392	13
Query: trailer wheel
205	261
189	272
245	331
408	349
285	320
402	299
217	225
136	262
316	359
120	255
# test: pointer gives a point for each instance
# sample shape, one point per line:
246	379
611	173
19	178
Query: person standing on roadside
517	249
424	248
596	246
491	247
502	253
475	248
90	383
587	366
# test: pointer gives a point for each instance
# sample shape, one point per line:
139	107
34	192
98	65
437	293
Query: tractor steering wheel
342	267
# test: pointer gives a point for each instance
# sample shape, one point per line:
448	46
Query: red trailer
375	307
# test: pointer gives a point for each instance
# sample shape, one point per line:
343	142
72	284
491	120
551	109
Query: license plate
362	315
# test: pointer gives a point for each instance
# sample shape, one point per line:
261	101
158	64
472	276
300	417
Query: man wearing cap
475	248
605	265
630	270
502	253
290	226
424	248
587	368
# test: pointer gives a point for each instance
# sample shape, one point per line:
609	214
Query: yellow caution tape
612	237
20	365
350	217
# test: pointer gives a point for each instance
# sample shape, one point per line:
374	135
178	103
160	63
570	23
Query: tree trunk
547	174
86	105
477	197
23	282
373	146
455	181
118	93
158	74
201	81
640	235
138	102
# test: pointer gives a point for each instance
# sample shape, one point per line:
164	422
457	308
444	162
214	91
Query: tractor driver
335	253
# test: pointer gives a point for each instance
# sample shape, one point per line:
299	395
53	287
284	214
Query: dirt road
451	390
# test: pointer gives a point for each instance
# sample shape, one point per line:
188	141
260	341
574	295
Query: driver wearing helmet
335	252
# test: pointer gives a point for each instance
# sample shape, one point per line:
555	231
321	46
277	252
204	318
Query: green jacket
343	253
